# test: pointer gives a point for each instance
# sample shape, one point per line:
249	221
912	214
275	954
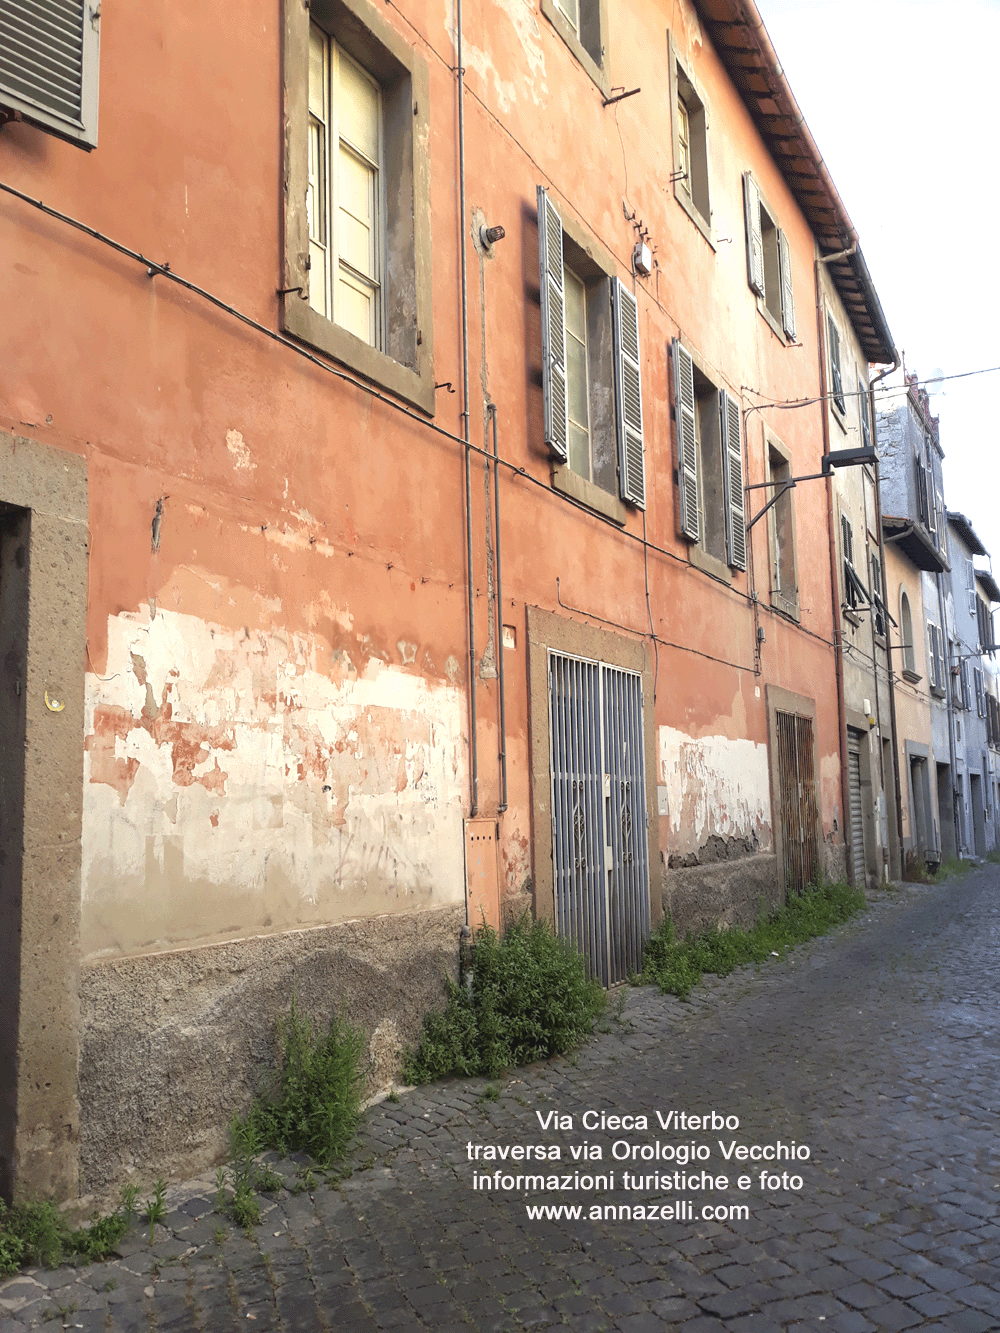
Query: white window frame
328	192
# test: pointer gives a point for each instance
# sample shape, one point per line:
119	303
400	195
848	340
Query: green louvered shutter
550	278
687	442
628	395
49	51
732	476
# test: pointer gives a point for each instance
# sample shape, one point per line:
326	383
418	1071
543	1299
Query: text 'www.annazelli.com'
683	1210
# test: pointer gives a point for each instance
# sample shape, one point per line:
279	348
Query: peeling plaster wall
244	782
712	786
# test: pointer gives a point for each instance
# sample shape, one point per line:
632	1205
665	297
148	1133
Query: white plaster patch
713	785
241	454
232	787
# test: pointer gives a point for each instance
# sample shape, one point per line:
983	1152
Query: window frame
879	611
909	667
592	36
755	208
855	592
689	463
935	660
405	363
614	395
683	88
782	511
330	191
833	349
80	131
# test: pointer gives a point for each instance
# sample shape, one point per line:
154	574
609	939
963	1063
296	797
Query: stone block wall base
174	1044
722	893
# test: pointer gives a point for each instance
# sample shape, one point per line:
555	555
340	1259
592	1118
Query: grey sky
900	96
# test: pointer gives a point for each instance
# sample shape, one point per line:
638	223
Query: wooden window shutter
687	442
835	375
628	393
732	480
755	241
787	296
931	656
550	276
866	430
970	585
49	51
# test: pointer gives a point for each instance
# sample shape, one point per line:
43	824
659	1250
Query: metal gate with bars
797	788
600	864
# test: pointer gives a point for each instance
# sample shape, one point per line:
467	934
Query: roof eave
744	47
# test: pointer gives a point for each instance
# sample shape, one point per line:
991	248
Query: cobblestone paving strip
875	1046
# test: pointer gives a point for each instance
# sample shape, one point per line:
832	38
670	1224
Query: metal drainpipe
470	591
499	601
885	589
838	633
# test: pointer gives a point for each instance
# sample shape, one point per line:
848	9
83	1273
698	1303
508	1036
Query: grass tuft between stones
36	1234
677	966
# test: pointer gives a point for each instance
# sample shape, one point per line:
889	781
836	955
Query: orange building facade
365	572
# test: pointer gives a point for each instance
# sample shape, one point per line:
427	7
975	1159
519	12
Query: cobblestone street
875	1046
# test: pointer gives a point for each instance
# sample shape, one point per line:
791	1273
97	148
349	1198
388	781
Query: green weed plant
530	998
36	1234
677	966
316	1100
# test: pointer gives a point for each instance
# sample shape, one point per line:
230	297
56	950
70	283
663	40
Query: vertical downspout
885	588
470	591
499	603
845	795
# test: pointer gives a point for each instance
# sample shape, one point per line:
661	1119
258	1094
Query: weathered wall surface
729	893
714	793
173	1044
252	781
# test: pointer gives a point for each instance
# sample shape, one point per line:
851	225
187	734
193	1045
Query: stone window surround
679	77
406	369
595	39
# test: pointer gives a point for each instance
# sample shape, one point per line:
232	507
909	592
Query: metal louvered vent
48	64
